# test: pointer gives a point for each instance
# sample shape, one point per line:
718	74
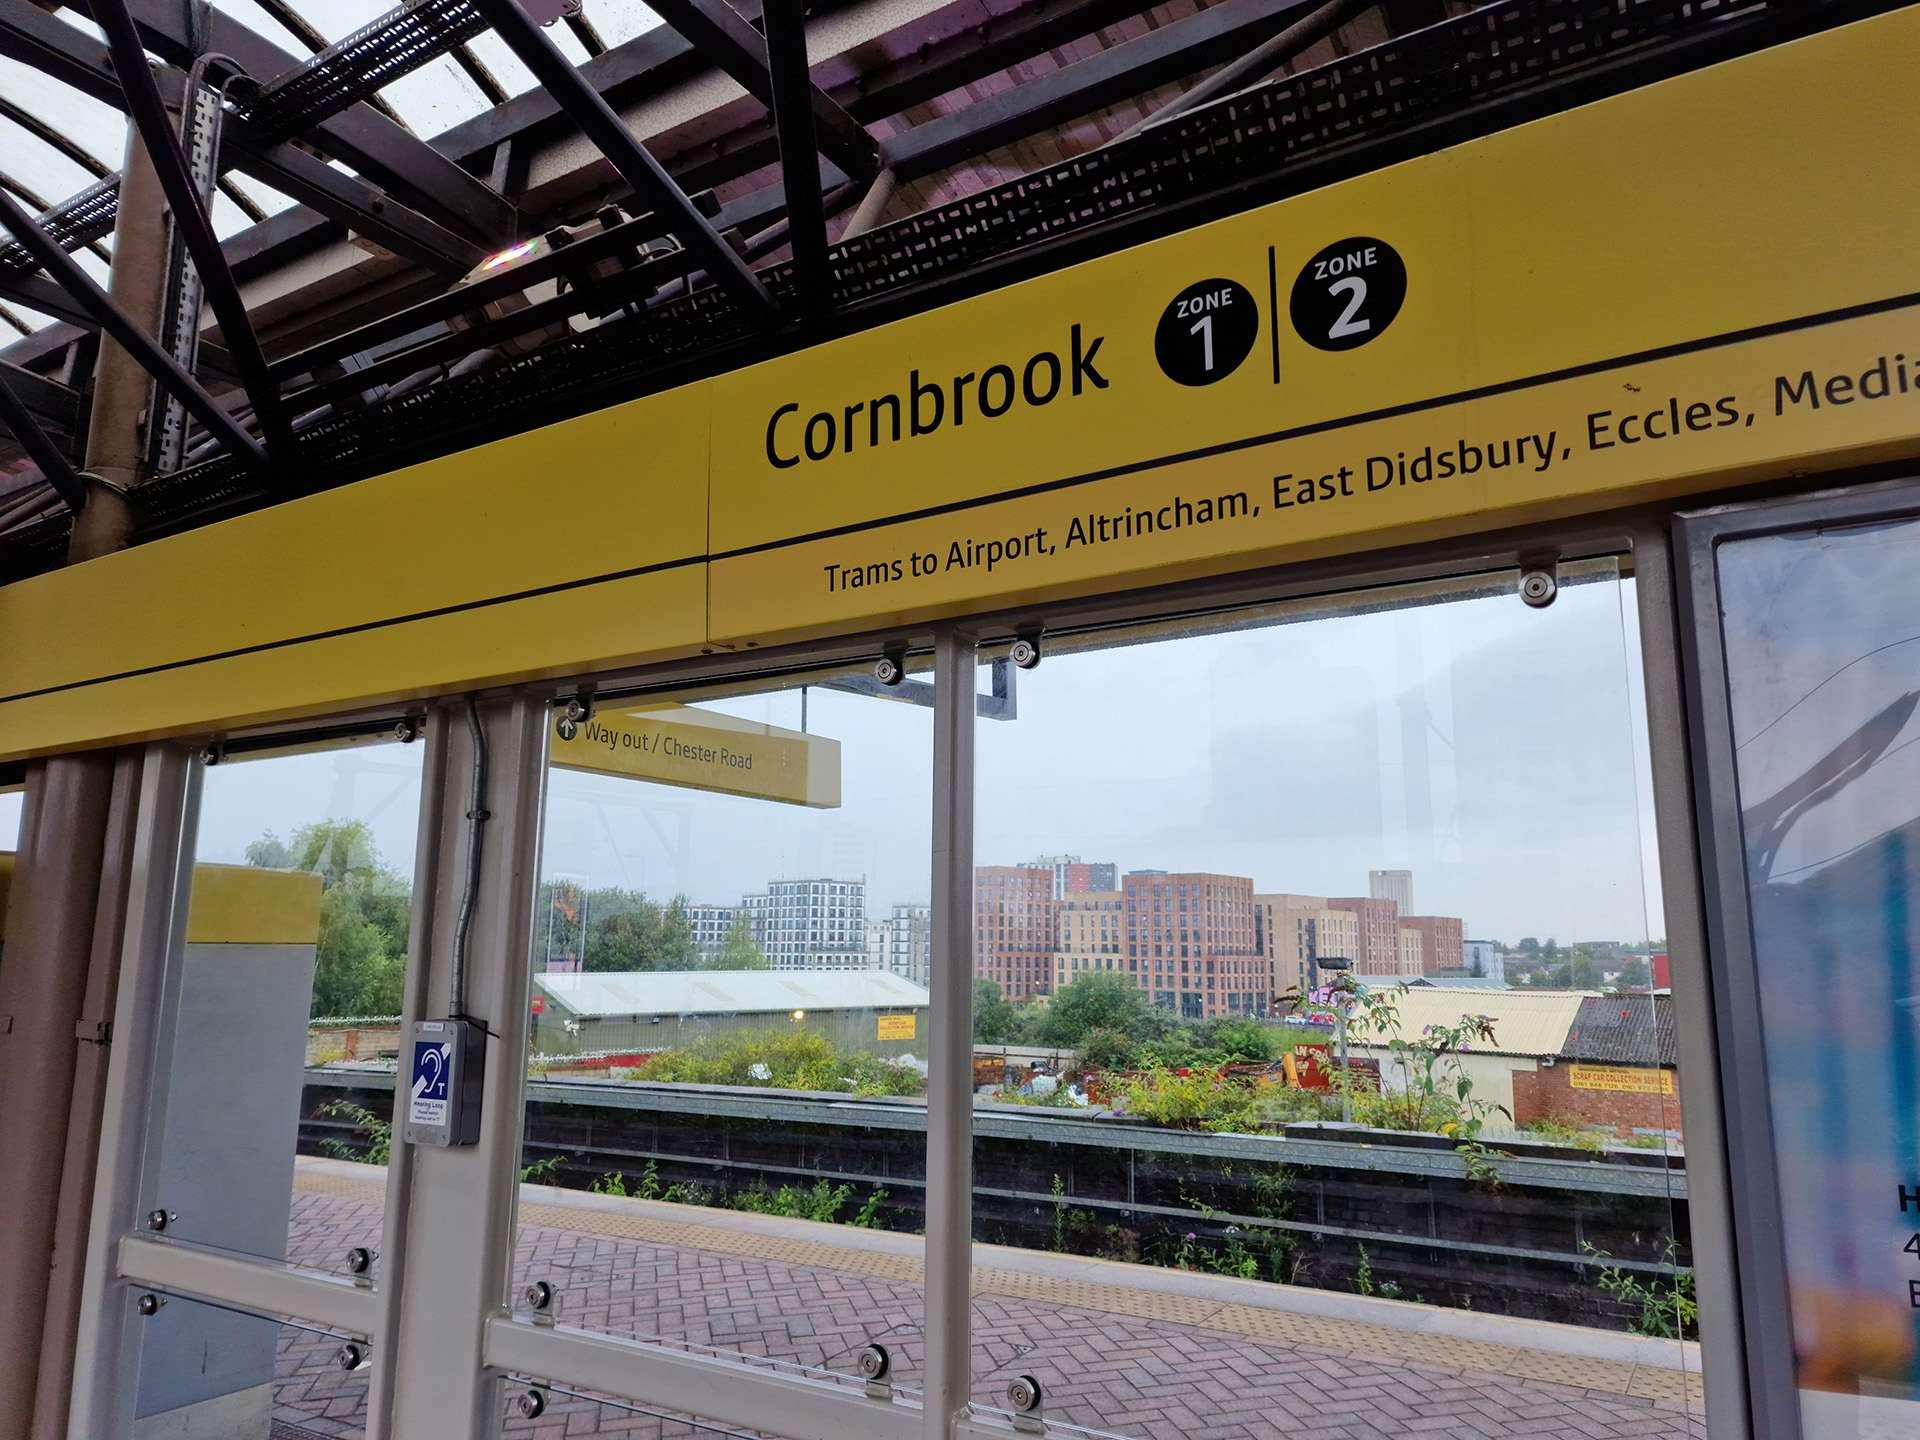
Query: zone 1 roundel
1206	331
1348	293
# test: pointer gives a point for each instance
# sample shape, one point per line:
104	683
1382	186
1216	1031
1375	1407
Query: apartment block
1013	928
710	926
1394	885
1091	934
1412	951
811	924
1378	948
1293	931
903	943
1193	937
1443	941
1074	876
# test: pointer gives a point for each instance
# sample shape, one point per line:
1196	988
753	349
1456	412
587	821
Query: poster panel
1822	644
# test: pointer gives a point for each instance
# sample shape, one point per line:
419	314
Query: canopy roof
728	992
667	191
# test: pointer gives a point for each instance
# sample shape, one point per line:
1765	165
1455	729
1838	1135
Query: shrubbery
801	1060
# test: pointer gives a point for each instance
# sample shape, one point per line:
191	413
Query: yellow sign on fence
1621	1079
707	750
896	1027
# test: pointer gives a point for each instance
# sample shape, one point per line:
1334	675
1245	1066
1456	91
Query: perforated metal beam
70	55
1212	36
652	187
407	167
192	221
67	273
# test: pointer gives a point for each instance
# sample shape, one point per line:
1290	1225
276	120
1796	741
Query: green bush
1566	1132
1201	1099
800	1060
818	1201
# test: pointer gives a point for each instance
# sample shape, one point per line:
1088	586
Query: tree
365	913
993	1021
642	935
1634	974
1094	1000
738	952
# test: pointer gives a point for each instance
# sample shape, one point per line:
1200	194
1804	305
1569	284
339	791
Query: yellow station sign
1571	315
706	750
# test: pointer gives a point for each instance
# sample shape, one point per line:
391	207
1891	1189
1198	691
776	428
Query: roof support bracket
196	227
652	187
67	273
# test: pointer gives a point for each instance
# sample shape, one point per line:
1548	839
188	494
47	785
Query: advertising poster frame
1762	1149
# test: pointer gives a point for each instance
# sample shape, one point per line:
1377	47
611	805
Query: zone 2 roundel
1206	331
1348	293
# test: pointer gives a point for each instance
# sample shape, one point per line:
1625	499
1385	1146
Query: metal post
1709	1204
106	1361
1346	1076
949	1255
455	1226
79	1168
123	391
786	27
44	986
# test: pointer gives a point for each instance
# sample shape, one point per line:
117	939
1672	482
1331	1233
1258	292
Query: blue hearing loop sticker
427	1096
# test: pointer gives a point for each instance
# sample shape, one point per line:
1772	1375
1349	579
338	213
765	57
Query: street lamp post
1336	963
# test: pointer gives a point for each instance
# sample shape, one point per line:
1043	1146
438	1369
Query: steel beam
67	273
401	163
39	445
949	1253
651	185
1209	37
721	34
793	117
195	227
75	58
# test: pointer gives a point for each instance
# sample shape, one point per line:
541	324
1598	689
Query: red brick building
1013	928
1619	1068
1193	938
1442	941
1379	933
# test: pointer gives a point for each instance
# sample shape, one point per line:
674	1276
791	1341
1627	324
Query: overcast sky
1494	750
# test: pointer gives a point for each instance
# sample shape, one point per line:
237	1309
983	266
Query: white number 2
1204	329
1354	286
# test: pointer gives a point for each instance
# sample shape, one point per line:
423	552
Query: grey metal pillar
155	895
123	393
1723	1357
450	1238
949	1262
80	1167
42	987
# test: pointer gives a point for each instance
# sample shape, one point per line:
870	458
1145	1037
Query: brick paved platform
1140	1362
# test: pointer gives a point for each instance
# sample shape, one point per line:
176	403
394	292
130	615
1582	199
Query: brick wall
1548	1094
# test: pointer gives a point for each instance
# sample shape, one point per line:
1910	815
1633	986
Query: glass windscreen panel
725	1126
1821	629
283	1022
10	803
1317	949
208	1370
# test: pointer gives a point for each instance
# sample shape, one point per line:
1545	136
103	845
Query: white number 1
1204	329
1354	286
